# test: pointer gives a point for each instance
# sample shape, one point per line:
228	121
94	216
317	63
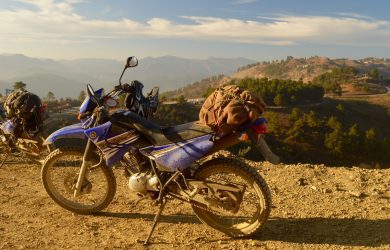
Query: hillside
301	69
307	69
167	72
314	207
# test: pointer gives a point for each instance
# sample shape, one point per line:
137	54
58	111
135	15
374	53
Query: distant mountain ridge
66	78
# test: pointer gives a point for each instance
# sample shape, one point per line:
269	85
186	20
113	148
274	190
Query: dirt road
315	207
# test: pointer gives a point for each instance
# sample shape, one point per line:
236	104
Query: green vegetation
282	92
339	132
276	69
331	81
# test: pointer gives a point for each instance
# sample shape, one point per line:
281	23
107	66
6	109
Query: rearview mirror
90	90
91	94
132	61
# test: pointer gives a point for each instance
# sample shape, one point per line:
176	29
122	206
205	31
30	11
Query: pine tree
335	141
294	115
354	139
333	123
311	119
279	100
370	143
296	133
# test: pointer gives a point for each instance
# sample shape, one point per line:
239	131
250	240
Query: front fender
72	131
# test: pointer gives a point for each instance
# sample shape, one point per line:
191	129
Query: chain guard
212	196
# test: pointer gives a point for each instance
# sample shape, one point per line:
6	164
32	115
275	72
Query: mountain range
66	78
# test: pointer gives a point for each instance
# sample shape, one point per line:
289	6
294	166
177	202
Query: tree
19	85
50	96
294	115
273	123
296	133
353	139
278	100
333	123
335	141
370	143
82	95
311	119
181	99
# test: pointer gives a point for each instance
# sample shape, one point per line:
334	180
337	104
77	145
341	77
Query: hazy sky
256	29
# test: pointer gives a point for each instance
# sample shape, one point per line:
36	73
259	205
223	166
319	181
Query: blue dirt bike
161	162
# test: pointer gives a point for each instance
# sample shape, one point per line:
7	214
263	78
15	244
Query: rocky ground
314	207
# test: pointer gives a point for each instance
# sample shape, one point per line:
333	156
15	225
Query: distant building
198	100
170	102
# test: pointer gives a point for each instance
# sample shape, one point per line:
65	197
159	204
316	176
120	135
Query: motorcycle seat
159	135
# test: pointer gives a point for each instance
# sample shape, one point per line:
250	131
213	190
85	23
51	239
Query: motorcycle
26	144
162	162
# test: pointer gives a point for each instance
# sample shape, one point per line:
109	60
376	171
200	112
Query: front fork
83	169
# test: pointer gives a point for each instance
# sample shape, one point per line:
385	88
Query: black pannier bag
25	109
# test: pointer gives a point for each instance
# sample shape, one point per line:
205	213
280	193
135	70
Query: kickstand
5	158
160	209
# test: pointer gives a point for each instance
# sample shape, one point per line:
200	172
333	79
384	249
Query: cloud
54	21
244	1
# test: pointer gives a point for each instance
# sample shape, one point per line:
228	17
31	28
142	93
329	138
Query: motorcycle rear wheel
59	177
249	216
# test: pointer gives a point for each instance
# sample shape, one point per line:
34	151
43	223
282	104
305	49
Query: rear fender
73	131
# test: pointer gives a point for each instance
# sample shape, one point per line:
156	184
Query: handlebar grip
262	146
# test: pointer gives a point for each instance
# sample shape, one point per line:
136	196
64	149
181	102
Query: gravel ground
314	207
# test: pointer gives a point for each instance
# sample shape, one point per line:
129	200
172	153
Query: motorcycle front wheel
237	216
60	172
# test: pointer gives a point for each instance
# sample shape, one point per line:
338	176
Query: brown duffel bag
228	107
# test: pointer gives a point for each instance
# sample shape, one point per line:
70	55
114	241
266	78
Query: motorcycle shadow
333	231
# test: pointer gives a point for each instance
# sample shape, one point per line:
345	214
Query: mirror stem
120	78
